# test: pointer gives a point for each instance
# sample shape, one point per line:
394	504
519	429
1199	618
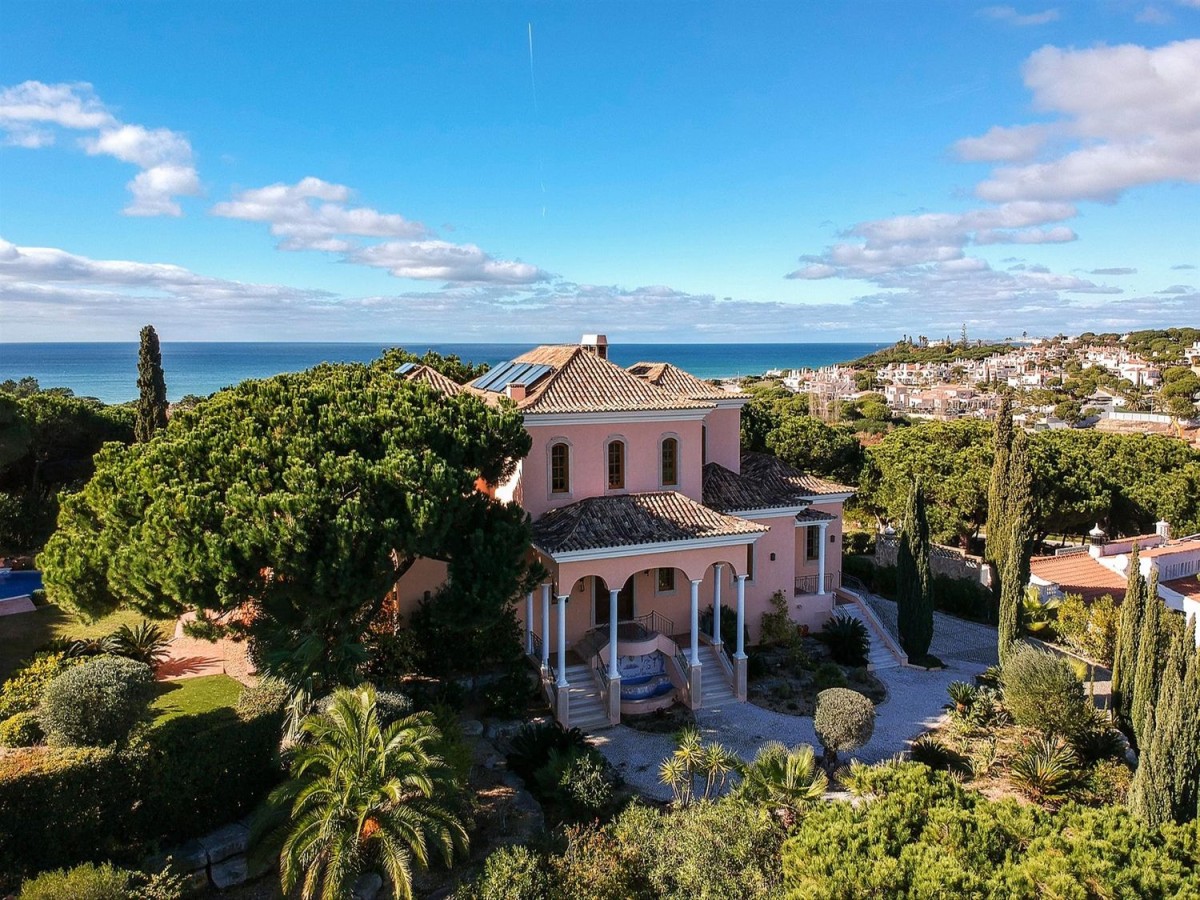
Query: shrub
147	643
777	626
38	597
1108	783
23	691
268	697
847	639
511	873
930	751
84	882
962	696
1097	740
1046	770
509	695
96	703
21	730
391	706
1090	628
828	675
964	597
579	780
1042	691
728	626
844	720
533	743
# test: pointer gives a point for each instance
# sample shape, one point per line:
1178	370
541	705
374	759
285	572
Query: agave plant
92	646
145	643
1046	770
785	781
962	696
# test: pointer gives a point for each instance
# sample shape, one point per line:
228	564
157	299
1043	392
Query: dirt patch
787	679
663	721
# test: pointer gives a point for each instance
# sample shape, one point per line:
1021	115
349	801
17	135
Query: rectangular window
810	543
749	562
560	469
666	581
670	462
616	465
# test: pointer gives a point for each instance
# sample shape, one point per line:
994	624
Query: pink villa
648	515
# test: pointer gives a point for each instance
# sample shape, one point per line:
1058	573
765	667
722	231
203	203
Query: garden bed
786	678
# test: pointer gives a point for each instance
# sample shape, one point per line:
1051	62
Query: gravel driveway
914	704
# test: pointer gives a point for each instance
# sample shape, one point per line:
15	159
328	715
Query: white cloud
164	156
1001	144
1012	17
312	215
814	272
1153	15
1114	270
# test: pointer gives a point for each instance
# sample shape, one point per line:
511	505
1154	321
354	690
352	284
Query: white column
545	628
612	633
741	617
695	657
716	635
529	624
821	559
562	640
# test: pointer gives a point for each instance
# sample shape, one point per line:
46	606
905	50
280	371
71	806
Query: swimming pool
19	584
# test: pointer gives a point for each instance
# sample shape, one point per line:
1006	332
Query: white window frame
550	492
670	436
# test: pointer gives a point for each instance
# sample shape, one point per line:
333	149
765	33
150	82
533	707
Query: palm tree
785	781
695	759
360	797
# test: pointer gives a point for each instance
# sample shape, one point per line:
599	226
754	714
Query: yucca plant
962	696
146	643
785	781
694	760
931	751
360	797
1046	770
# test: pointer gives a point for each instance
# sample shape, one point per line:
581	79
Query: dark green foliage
83	882
97	703
847	639
1042	691
579	782
511	873
930	751
391	706
905	351
449	365
728	626
810	445
1129	630
914	581
22	692
1097	740
1010	545
532	745
1046	770
509	695
268	696
21	730
152	388
305	496
828	675
1153	645
963	696
462	632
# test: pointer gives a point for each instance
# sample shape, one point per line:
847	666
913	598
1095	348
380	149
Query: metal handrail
655	621
808	584
536	654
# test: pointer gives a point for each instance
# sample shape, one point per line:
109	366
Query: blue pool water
19	584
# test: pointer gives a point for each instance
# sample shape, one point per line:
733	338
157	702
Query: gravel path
914	704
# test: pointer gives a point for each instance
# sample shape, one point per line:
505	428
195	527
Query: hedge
59	807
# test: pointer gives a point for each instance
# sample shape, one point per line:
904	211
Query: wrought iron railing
535	652
656	621
808	584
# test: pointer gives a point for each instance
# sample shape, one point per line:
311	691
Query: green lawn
22	634
191	696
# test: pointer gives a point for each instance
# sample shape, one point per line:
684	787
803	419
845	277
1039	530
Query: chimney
515	391
595	343
1163	529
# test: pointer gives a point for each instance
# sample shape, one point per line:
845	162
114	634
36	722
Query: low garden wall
948	561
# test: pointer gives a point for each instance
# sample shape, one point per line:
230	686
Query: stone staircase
881	656
587	711
715	690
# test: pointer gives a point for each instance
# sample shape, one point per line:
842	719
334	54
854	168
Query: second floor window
670	462
560	469
616	465
812	543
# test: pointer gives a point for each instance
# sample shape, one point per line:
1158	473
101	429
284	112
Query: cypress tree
1153	646
1124	673
914	580
1002	437
152	388
1012	557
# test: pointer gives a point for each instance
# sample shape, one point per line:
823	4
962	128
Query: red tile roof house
1104	569
646	513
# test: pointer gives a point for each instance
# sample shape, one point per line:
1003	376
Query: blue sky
666	171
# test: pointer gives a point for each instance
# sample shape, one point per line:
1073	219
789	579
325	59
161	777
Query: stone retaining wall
948	561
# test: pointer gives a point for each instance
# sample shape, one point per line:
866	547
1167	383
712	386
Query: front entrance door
600	602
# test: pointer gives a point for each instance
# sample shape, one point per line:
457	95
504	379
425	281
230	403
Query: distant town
1145	381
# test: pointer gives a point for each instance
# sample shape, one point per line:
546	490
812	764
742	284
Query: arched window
670	462
560	468
616	465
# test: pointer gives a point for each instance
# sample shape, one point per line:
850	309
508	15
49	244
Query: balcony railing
536	653
808	584
655	621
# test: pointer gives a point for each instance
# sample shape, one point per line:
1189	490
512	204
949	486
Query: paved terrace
914	704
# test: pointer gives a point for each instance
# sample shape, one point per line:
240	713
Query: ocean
108	371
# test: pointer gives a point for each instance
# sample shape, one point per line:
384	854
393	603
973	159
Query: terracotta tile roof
1189	586
671	378
768	469
1182	545
433	378
1078	573
627	520
582	382
727	491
